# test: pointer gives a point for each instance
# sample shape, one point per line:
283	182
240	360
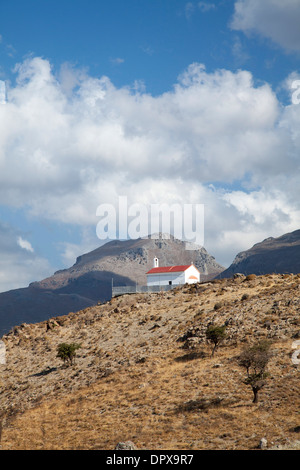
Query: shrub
67	352
215	334
200	404
218	305
245	296
255	359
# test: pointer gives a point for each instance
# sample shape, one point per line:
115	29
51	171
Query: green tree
256	382
67	352
215	334
255	359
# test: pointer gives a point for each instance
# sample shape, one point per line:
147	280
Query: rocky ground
144	372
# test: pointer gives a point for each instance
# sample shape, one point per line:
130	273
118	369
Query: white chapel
172	275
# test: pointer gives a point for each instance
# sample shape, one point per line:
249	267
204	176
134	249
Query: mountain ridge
89	281
272	255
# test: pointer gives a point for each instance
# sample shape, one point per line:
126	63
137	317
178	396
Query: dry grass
134	381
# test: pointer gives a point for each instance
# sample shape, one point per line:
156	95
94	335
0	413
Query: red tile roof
169	269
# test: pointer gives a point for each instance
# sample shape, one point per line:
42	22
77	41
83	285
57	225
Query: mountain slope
273	255
90	279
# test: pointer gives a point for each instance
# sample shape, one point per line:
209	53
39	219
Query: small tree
67	352
215	334
256	382
255	360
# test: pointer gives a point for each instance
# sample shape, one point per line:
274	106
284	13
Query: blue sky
148	40
164	101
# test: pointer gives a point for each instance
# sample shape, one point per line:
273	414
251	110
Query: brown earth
144	372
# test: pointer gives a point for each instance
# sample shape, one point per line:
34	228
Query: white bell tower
155	262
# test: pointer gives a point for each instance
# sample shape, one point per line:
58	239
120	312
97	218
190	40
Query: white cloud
273	19
259	215
19	264
25	244
70	251
70	142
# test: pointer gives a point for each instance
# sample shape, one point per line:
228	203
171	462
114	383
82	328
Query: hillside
273	255
89	280
144	372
